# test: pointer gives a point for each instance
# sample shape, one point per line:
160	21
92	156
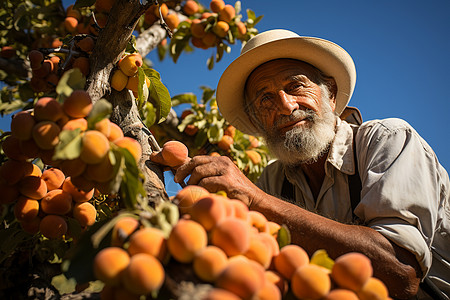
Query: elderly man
375	187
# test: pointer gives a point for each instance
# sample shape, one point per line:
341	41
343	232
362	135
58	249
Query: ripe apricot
11	148
109	265
273	228
82	63
26	209
36	171
227	13
95	147
186	239
221	29
78	195
174	153
78	104
29	148
289	259
310	282
7	52
172	21
57	202
47	109
73	167
36	59
53	226
85	213
143	275
198	43
101	172
190	7
341	294
254	156
76	123
46	134
71	12
104	5
33	187
242	278
209	40
123	228
242	29
230	130
279	281
12	171
225	142
232	235
352	270
186	197
259	252
86	44
43	71
119	80
131	145
32	227
148	240
269	291
115	132
129	64
216	5
149	17
209	263
54	178
220	294
70	23
163	8
197	30
22	124
208	211
10	193
257	220
373	289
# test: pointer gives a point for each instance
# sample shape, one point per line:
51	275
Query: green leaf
200	139
160	96
283	236
71	80
83	3
101	109
207	94
190	98
149	114
142	89
11	238
214	134
210	63
187	120
131	187
321	258
69	146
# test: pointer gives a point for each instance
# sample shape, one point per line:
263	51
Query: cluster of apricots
126	75
155	12
36	133
78	23
232	248
43	200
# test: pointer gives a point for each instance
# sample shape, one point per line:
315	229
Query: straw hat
328	57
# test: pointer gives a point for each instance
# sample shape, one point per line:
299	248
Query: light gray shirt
404	196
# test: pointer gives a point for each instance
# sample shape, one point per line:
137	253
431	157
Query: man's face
295	112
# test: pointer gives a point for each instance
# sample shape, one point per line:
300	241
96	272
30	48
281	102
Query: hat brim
328	57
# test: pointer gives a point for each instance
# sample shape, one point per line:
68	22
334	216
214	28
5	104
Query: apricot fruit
186	197
11	148
10	193
115	132
109	264
76	123
225	142
144	274
172	21
78	195
131	145
150	241
46	134
197	30
54	178
190	7
174	153
310	282
31	227
209	263
12	171
257	220
73	167
373	289
119	80
129	64
7	52
82	183
70	23
53	226
95	147
242	29
208	211
85	213
352	270
102	171
216	5
22	124
220	294
186	239
259	252
104	5
78	104
86	44
227	13
82	63
232	235
253	156
56	202
71	12
209	40
33	187
269	291
36	58
289	259
29	148
198	43
341	294
123	228
221	29
26	209
280	282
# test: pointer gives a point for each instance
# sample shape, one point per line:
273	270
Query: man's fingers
184	170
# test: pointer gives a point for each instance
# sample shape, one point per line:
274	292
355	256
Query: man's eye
295	86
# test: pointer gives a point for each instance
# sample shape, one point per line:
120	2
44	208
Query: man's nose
287	103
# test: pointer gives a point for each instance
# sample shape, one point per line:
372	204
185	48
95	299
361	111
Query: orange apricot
119	80
232	235
208	211
242	278
54	178
78	104
47	109
85	213
56	202
273	228
280	282
12	171
95	147
70	23
225	142
32	227
143	275
102	171
163	8
73	167
209	40
115	132
197	30
26	209
71	12
7	52
190	7
174	153
46	134
186	239
373	289
33	187
341	294
209	263
257	220
86	44
53	226
148	240
352	270
269	291
22	124
289	259
29	148
76	123
104	5
36	59
198	43
216	5
82	63
186	197
78	195
221	29
131	145
254	156
11	148
310	282
242	29
172	21
129	64
227	13
123	228
43	71
109	264
10	193
259	252
230	130
220	294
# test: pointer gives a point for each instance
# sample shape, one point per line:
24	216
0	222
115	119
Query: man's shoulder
384	127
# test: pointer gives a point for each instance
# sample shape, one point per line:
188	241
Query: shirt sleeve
400	193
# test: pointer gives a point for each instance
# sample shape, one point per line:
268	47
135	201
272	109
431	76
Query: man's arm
395	266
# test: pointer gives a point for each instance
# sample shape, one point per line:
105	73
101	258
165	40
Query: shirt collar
340	155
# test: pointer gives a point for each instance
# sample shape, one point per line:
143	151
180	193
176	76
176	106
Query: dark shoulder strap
354	181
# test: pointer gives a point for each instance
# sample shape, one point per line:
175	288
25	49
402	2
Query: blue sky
401	50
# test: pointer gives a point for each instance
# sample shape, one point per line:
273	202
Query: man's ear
332	88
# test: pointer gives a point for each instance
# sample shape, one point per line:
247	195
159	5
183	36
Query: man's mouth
291	124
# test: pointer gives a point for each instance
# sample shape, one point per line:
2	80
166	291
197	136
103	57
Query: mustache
296	116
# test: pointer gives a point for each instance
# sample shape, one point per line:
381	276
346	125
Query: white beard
305	143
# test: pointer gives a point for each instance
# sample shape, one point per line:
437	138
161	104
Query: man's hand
218	174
